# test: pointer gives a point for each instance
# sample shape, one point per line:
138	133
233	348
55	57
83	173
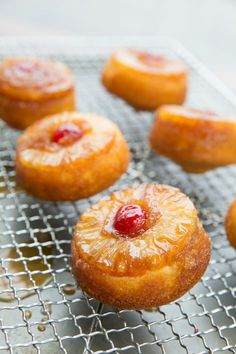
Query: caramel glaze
169	257
197	140
145	81
54	172
230	224
32	88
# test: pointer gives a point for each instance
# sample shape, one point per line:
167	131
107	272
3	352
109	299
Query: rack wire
41	310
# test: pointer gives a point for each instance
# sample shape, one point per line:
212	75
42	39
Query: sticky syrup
28	314
41	328
14	267
69	289
9	185
48	309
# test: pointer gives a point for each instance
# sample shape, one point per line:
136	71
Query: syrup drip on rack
41	328
69	289
4	187
48	309
22	279
28	314
46	312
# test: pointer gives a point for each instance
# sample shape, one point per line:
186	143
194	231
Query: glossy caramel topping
31	78
151	59
36	147
147	63
180	111
172	219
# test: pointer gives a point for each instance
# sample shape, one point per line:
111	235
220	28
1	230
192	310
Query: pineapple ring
32	88
198	141
230	224
51	171
145	81
148	270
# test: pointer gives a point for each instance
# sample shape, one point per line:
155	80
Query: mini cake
196	140
230	224
144	80
70	156
140	248
32	88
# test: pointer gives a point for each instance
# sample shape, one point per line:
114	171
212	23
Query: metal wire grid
203	321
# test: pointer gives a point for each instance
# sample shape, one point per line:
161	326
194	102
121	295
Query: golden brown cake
140	248
32	88
70	156
230	224
144	80
196	140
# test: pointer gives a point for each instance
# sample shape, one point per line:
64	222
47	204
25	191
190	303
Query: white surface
206	27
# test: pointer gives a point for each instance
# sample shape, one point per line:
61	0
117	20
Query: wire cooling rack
41	310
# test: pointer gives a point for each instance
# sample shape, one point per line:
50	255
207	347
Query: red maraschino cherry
67	134
130	219
151	59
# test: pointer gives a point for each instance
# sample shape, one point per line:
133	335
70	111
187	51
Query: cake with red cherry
31	88
70	156
140	247
145	80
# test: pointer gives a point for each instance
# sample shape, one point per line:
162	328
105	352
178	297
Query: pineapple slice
166	258
70	156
